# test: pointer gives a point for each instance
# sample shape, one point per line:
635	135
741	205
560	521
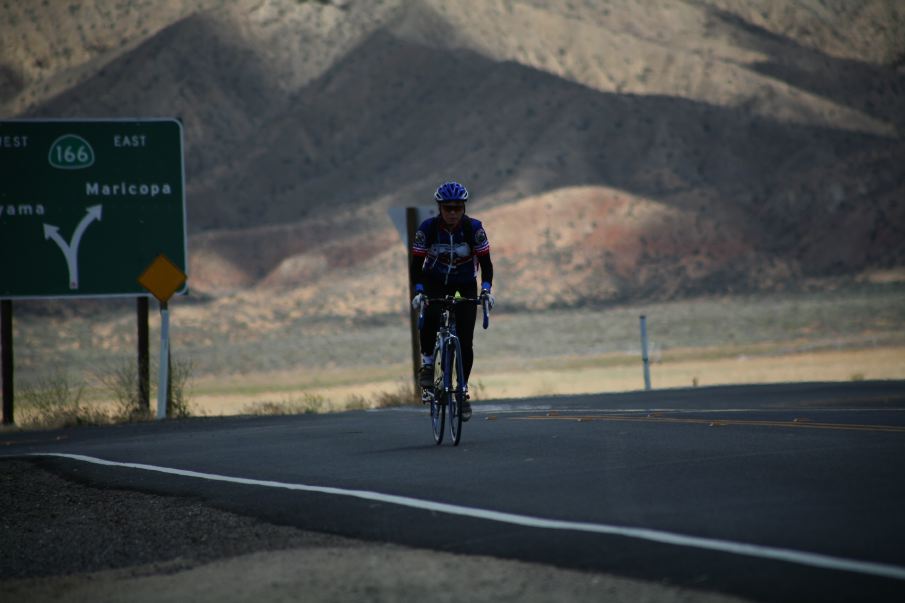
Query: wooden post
6	345
144	368
411	225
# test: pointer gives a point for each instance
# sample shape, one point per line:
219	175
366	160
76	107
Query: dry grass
289	405
106	395
325	400
847	365
57	401
337	364
594	375
563	376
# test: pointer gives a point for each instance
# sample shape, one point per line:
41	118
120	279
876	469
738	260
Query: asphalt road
783	492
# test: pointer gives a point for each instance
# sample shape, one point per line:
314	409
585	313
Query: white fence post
163	375
644	356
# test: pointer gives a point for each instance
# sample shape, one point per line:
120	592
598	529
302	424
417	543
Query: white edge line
724	546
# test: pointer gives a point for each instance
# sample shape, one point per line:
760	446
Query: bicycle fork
429	393
461	386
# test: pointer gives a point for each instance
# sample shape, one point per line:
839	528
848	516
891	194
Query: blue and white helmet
451	191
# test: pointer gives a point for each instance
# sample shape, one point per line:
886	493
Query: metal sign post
163	378
163	278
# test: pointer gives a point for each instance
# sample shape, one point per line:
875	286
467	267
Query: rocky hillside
614	149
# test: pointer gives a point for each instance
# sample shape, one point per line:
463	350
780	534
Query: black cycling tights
466	314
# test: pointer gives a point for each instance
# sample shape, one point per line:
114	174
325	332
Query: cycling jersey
451	258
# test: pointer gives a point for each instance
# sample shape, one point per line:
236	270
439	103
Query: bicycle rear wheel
438	403
452	398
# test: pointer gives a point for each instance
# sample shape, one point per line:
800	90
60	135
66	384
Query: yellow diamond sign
162	278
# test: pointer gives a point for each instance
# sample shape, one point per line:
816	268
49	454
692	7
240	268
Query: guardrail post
644	355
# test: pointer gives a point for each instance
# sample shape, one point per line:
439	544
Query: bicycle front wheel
438	417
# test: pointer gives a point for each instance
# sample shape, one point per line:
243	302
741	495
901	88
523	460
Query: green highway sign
87	205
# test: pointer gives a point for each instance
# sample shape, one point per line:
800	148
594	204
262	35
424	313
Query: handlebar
451	301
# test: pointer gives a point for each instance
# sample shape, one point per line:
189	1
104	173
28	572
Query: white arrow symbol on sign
71	250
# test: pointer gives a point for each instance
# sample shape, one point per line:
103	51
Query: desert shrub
121	381
56	401
404	394
290	405
356	402
266	407
180	376
477	390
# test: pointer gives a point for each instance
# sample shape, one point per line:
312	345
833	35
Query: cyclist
447	251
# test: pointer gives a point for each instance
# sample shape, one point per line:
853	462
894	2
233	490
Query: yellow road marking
801	423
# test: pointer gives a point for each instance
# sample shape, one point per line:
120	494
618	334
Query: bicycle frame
447	347
446	336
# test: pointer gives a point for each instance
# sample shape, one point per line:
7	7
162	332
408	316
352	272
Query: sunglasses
452	208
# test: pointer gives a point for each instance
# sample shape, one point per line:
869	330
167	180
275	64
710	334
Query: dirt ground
66	541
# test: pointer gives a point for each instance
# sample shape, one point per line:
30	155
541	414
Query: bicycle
442	396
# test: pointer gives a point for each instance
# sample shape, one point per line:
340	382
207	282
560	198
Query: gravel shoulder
66	541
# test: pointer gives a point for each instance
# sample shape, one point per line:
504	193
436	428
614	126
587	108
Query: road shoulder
68	541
